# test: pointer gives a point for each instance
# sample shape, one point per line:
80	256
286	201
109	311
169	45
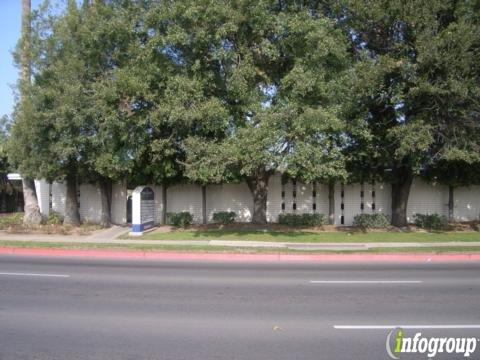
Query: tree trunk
164	201
204	204
72	216
31	208
32	211
258	186
451	190
331	203
25	44
106	194
3	201
400	193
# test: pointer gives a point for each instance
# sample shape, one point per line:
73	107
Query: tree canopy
415	96
211	92
267	77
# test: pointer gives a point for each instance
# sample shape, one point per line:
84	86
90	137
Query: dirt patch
13	224
465	226
85	229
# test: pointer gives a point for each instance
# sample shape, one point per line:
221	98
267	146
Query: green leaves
410	139
414	89
275	77
219	91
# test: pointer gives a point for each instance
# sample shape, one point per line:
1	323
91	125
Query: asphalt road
61	308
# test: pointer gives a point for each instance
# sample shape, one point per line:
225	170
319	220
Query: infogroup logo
401	344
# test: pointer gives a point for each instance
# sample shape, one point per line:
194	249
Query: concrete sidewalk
110	236
99	236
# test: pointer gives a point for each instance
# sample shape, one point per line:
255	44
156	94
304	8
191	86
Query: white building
291	197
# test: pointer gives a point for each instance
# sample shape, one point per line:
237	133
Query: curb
165	255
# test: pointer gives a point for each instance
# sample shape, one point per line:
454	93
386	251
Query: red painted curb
389	257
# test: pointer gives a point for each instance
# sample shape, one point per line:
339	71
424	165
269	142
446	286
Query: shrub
9	220
371	221
314	219
290	219
302	219
54	218
431	221
224	217
476	225
181	219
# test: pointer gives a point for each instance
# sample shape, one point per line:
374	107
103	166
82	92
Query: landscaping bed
13	224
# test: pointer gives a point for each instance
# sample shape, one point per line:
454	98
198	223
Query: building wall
274	198
467	203
186	197
351	202
427	198
119	204
376	199
229	197
303	200
322	199
424	198
383	198
42	188
59	192
90	203
157	189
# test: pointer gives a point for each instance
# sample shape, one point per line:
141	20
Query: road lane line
366	281
32	274
387	327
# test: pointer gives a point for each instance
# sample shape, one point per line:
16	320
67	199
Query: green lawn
314	237
228	249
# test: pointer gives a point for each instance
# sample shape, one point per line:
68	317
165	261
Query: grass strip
229	249
313	237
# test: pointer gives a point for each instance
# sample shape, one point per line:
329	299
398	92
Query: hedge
181	219
371	221
431	221
302	219
224	217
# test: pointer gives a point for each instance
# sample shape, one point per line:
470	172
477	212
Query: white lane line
32	274
366	281
387	327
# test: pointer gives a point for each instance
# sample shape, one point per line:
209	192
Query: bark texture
32	210
25	55
258	186
72	215
106	194
400	193
32	214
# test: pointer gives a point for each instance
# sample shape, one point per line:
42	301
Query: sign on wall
143	209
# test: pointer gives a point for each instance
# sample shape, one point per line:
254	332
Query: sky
10	24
